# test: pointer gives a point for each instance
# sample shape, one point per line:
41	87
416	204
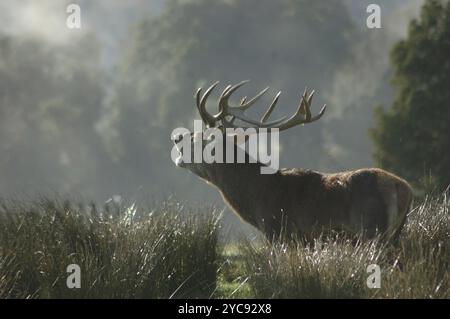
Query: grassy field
167	252
171	251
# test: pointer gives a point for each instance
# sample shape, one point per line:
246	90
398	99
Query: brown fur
308	202
303	202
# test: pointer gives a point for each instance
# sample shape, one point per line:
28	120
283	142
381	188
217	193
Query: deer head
222	133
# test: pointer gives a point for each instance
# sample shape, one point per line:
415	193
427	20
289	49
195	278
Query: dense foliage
412	137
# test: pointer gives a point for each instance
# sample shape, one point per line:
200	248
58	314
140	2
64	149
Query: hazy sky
111	19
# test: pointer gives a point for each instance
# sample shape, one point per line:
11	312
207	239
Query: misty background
89	111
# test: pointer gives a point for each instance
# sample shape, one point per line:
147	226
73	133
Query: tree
412	138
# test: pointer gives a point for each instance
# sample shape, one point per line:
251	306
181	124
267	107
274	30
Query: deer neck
239	184
233	176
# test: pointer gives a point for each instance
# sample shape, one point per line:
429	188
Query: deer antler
301	116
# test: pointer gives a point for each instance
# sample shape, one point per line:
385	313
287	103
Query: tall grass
171	251
167	252
417	266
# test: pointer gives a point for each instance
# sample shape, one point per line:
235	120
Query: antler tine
207	118
303	114
223	101
207	93
231	88
271	108
319	115
226	90
198	99
245	105
238	112
307	102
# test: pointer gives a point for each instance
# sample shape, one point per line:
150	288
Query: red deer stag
302	202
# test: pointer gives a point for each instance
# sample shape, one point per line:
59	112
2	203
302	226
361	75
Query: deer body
308	203
303	202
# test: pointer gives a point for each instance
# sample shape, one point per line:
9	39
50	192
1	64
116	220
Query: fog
88	112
